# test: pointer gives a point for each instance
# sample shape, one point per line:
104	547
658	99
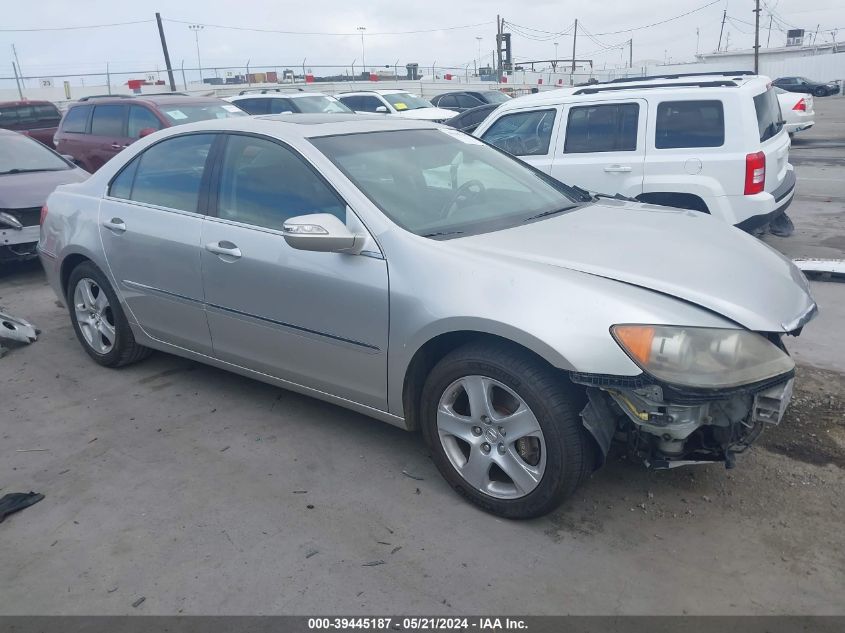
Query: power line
75	28
369	34
648	26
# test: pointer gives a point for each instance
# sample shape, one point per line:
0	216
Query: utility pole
815	35
756	37
631	53
166	54
769	38
574	39
17	81
722	30
18	62
499	49
697	39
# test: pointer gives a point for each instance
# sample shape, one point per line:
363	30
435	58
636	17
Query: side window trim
215	180
639	137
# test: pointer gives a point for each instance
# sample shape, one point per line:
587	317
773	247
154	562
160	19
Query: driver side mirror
321	232
146	131
382	109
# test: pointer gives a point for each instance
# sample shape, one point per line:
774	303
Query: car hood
24	191
685	254
428	114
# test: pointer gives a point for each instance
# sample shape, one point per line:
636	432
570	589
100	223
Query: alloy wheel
491	437
94	315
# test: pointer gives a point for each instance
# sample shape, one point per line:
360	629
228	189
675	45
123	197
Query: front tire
504	429
98	319
820	92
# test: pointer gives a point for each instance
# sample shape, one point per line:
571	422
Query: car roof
277	95
305	125
674	84
25	102
153	100
385	91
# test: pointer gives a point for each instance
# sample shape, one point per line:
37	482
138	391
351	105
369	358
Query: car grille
27	217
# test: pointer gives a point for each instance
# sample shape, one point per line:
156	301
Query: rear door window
769	119
257	105
523	133
76	119
602	128
689	124
447	101
108	120
169	173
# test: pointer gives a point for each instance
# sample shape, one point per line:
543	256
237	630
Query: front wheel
504	430
821	91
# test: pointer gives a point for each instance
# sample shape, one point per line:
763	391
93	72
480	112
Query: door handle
223	248
118	146
617	168
115	225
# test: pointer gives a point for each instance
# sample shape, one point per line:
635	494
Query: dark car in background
467	99
468	120
802	84
95	129
29	171
37	119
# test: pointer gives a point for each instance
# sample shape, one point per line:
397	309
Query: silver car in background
413	273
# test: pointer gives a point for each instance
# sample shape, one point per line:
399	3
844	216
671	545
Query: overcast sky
136	47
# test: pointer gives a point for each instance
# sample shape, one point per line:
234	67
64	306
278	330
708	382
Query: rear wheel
504	430
98	319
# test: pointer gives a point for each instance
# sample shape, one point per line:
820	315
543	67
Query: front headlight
702	357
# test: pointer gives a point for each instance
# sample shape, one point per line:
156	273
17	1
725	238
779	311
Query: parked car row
437	282
807	86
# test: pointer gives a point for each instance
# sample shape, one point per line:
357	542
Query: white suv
713	143
396	102
278	102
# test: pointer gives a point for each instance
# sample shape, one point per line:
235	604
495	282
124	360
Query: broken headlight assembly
702	357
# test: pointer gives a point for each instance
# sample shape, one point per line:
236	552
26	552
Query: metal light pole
554	63
363	58
196	28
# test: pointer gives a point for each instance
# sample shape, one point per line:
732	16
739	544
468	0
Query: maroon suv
37	119
96	128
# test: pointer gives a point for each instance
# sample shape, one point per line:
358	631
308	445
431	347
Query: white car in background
278	102
797	110
395	102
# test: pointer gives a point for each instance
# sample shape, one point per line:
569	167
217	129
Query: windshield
20	153
494	96
406	101
439	182
179	113
321	104
769	119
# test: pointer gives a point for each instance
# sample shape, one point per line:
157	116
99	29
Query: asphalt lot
208	493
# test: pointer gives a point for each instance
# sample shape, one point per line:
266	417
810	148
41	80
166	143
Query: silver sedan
415	274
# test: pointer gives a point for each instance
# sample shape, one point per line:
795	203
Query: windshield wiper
442	233
548	213
25	171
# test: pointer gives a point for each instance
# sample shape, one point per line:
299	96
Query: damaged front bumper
666	428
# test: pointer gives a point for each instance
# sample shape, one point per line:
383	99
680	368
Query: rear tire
98	319
556	456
